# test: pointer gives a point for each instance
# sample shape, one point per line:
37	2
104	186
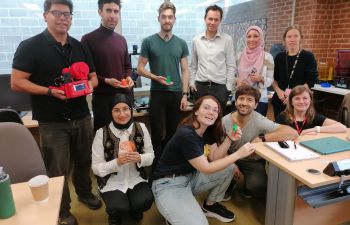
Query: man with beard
111	59
255	128
213	64
166	54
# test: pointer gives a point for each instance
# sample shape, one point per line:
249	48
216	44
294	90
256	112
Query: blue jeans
175	196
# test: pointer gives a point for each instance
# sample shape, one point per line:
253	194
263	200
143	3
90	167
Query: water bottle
7	205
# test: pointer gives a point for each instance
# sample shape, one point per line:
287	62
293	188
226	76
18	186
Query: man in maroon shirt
111	59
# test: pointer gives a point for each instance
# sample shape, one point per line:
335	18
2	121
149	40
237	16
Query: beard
167	28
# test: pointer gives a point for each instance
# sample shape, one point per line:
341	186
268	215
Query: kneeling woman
301	115
120	152
186	168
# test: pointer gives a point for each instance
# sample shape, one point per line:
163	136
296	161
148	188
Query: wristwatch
262	137
185	93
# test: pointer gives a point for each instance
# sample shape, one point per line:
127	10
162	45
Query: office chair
10	115
344	111
20	155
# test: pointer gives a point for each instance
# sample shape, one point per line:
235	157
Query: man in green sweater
166	54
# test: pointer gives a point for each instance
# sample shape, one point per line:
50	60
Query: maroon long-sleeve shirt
110	56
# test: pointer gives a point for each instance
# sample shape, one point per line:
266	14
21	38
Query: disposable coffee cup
39	187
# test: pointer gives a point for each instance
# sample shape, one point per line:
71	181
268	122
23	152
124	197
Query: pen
295	146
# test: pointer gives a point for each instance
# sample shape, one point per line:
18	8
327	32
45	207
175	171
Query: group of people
202	152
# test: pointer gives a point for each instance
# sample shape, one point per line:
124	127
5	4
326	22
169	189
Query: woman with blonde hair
294	67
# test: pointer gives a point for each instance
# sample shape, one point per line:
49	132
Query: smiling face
57	23
166	20
121	113
292	40
301	102
207	113
213	20
253	39
109	15
245	104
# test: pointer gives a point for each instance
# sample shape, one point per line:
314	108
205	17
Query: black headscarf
121	98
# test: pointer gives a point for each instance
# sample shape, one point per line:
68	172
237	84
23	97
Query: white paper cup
39	187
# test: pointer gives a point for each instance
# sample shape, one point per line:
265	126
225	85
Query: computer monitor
11	99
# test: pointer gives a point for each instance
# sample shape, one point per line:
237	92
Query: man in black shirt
64	124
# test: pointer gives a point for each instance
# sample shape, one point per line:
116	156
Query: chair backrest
344	111
19	155
10	115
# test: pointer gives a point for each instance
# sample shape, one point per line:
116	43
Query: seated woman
120	152
301	115
187	167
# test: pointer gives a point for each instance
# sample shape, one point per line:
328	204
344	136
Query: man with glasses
64	124
166	54
213	65
111	59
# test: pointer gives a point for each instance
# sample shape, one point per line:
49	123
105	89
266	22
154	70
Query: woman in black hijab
120	152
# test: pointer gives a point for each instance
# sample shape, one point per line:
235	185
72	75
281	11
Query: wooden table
283	205
29	212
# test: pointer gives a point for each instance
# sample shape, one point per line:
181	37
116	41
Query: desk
140	116
328	100
332	89
282	205
30	212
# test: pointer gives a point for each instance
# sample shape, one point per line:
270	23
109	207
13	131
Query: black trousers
277	104
219	91
100	109
164	107
139	199
63	142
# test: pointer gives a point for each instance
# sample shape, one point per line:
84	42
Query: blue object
326	85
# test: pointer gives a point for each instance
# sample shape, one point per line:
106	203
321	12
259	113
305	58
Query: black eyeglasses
58	14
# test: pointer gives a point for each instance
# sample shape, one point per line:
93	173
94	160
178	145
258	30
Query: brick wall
340	29
277	12
325	24
279	15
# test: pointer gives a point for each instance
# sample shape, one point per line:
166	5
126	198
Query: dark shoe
219	212
114	220
91	201
66	218
246	194
136	215
229	191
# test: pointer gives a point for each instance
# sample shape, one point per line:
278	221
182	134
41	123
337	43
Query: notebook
292	153
327	145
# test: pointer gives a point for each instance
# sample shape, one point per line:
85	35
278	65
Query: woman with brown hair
195	160
301	115
294	67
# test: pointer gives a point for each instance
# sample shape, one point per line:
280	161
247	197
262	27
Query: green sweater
164	59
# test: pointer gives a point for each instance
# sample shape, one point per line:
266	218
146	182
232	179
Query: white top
267	73
127	176
213	59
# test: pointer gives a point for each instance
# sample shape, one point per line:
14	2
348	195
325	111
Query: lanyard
295	64
299	129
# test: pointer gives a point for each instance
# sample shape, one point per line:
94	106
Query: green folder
328	145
